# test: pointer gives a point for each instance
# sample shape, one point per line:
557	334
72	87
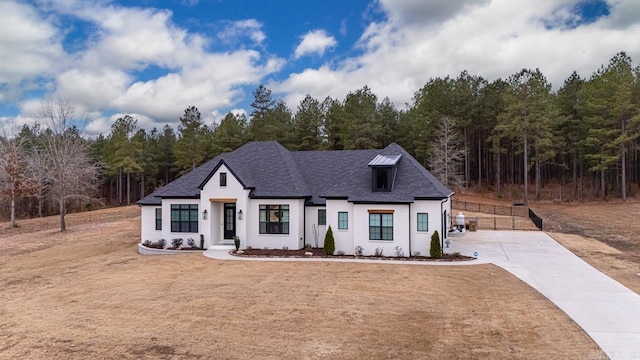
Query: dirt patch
88	294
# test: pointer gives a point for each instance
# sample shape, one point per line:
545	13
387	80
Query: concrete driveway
608	311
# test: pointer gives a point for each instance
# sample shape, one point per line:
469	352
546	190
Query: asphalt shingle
271	171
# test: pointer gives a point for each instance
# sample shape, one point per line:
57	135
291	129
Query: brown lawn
88	294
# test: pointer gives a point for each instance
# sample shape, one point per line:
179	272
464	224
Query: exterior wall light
239	214
204	214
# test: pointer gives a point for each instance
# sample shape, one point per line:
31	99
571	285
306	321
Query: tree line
507	135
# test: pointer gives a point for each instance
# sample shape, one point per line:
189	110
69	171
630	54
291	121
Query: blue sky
152	59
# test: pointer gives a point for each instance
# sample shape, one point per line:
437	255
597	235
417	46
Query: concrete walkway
605	309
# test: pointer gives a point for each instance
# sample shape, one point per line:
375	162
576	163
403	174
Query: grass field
88	294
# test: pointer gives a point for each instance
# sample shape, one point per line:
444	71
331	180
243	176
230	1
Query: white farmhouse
271	197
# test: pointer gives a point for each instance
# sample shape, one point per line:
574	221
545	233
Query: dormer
383	172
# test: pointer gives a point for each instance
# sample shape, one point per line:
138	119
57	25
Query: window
381	179
343	220
380	226
274	219
423	222
223	179
158	218
184	218
322	217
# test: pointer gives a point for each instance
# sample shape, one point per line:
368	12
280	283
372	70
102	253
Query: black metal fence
520	211
503	223
536	219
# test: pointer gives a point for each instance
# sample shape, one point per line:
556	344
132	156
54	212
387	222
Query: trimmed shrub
236	242
358	250
436	249
329	242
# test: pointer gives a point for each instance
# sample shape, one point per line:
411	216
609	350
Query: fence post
513	223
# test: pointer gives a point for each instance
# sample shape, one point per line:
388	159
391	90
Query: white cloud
315	42
490	39
125	42
29	48
250	28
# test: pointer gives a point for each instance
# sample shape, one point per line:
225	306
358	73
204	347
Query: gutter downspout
442	225
409	229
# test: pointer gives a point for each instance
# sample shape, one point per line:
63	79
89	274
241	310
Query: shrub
378	251
285	248
248	248
340	253
358	250
265	248
456	255
436	249
191	243
236	242
329	242
162	243
307	247
399	252
417	253
147	243
176	243
201	241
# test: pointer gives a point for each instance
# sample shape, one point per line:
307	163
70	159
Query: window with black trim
184	218
381	227
158	218
274	219
322	216
223	179
343	220
423	222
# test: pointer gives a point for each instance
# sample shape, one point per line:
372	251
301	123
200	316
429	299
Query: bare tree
71	171
447	154
12	173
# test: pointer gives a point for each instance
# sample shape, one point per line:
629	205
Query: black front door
229	220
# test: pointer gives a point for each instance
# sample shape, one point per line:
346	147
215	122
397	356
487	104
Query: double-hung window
380	226
274	219
322	217
184	218
158	218
343	220
423	222
223	179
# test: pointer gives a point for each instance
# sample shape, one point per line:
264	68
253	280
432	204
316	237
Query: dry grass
88	294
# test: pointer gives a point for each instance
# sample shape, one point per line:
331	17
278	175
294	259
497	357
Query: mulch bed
320	253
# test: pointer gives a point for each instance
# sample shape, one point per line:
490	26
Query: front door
229	221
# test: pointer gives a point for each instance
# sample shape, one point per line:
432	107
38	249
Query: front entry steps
222	247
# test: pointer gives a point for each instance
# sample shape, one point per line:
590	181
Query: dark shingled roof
271	171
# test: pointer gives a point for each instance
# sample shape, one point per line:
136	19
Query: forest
516	137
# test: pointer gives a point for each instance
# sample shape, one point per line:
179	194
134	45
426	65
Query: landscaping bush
162	243
436	249
176	243
329	242
358	250
191	243
236	242
378	251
